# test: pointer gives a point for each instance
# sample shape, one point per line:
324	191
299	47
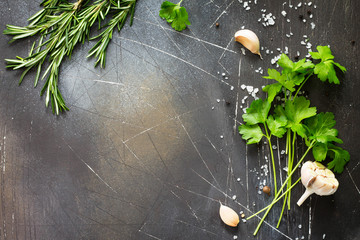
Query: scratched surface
150	146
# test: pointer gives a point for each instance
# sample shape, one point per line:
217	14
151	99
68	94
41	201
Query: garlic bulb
228	216
249	40
317	179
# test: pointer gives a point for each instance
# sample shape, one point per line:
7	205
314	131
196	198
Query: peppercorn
301	17
353	42
267	190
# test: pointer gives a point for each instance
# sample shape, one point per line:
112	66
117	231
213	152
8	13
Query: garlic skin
317	179
249	40
228	216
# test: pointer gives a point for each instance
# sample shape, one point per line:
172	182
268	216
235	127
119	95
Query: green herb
61	26
174	14
294	118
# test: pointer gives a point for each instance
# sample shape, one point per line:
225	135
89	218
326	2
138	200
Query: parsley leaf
174	14
340	158
285	62
277	125
320	128
320	151
281	78
297	110
272	90
325	70
251	133
257	112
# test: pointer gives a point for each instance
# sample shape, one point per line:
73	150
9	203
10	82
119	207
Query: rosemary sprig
123	8
61	26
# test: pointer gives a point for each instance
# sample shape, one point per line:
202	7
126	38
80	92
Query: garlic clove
249	40
228	216
317	179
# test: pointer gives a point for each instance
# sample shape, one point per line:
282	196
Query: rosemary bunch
60	26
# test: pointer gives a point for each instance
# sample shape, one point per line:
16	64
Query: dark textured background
139	155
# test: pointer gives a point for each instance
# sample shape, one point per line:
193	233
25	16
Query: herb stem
276	198
272	157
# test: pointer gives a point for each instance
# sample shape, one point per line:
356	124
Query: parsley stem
302	84
272	156
276	198
271	205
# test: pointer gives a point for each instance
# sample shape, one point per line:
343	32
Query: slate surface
140	153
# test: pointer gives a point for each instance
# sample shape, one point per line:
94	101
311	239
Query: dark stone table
150	144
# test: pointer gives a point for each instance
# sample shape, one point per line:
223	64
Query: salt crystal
278	49
312	25
299	5
246	4
274	147
314	6
249	88
300	226
297	53
259	20
290	6
304	20
267	51
309	4
244	220
288	20
271	21
221	136
283	13
223	74
287	35
282	152
256	90
291	33
285	169
232	88
264	24
212	108
243	51
241	212
238	179
305	36
218	72
226	78
311	16
243	86
308	45
234	197
235	237
302	237
247	9
324	235
302	43
218	100
243	27
259	192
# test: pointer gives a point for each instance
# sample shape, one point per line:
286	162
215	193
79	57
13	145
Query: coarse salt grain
218	100
312	25
234	197
283	13
243	86
249	88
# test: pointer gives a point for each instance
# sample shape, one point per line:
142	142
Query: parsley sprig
174	14
60	26
285	113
